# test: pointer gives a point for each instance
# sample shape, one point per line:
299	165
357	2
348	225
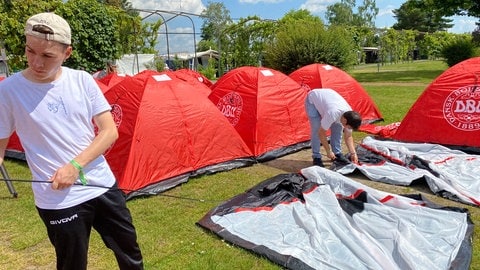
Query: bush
209	71
458	50
301	43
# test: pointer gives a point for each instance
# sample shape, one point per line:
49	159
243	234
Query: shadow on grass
288	165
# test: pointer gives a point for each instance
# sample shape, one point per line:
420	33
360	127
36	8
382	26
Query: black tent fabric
320	219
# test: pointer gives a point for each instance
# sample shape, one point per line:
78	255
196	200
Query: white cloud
190	6
317	6
386	11
463	24
260	1
180	39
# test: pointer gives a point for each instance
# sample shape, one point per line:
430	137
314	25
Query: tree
121	4
244	42
415	15
476	36
299	15
95	36
13	15
216	18
367	13
99	31
456	7
339	14
397	45
205	45
342	13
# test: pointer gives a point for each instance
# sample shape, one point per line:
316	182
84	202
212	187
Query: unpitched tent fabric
320	219
449	173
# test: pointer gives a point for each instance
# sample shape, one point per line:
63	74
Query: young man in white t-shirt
326	109
51	108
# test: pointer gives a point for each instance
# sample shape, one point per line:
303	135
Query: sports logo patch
231	106
461	108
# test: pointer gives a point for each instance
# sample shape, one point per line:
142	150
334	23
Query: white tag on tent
266	72
327	67
162	77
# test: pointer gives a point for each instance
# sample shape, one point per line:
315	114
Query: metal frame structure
174	14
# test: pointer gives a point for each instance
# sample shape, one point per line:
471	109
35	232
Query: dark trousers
69	231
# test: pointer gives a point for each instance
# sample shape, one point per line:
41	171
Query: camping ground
166	223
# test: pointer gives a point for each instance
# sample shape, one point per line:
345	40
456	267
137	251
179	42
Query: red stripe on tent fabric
394	160
256	209
387	198
310	190
351	196
264	208
443	161
474	201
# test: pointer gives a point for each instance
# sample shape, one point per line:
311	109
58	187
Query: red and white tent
167	133
448	110
266	108
326	76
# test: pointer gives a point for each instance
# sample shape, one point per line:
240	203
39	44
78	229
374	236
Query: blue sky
266	9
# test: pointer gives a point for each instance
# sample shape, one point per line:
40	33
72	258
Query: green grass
418	72
166	226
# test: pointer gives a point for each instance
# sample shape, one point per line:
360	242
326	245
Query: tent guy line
113	188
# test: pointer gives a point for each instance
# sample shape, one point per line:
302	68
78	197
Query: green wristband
80	171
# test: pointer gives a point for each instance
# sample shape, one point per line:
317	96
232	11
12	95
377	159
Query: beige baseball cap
49	26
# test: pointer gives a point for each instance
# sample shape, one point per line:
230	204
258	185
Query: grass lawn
165	224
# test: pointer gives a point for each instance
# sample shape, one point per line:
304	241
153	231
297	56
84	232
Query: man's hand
64	177
354	157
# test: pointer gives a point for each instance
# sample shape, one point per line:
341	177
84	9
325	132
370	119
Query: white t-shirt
54	122
329	104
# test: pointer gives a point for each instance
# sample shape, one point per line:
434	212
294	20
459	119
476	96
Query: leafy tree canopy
415	15
101	30
456	7
342	13
216	17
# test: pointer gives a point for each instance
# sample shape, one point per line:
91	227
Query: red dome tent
187	74
448	110
266	108
168	132
327	76
109	80
14	148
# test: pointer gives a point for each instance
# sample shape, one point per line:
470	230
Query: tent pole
6	178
